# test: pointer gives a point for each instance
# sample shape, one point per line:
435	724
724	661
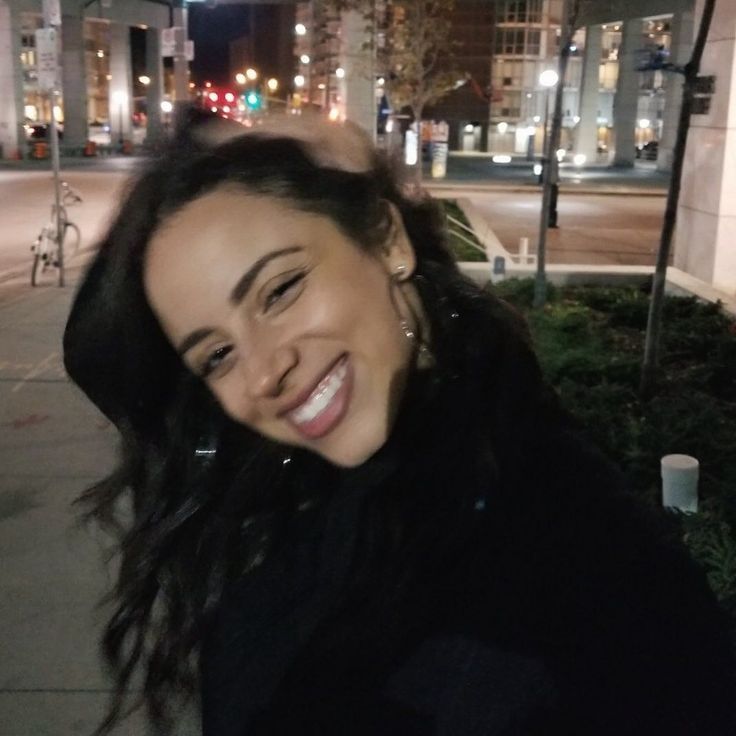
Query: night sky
212	29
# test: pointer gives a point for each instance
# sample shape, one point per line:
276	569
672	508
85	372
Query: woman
356	506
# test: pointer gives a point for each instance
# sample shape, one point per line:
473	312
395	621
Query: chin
349	454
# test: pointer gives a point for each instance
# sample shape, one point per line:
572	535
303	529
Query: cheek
230	393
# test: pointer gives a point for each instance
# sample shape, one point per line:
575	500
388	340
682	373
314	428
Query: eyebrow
245	282
238	293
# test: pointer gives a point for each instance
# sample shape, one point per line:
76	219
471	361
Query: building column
181	65
705	245
74	77
682	46
121	86
154	91
12	115
587	133
627	95
357	88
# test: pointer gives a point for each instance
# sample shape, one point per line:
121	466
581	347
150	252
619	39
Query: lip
332	414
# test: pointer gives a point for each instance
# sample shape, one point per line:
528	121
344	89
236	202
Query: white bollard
523	250
680	482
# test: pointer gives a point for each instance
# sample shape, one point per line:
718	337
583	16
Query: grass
590	342
463	251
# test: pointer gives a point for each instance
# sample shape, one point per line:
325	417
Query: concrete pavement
53	445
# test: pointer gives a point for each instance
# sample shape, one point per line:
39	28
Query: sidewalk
53	445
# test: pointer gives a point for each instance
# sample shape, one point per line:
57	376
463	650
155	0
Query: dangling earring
424	354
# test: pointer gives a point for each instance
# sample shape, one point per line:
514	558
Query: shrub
590	345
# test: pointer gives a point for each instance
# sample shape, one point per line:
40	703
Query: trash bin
40	149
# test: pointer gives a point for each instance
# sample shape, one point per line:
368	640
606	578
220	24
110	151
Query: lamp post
549	79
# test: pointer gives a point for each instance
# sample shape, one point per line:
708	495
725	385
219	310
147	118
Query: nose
267	370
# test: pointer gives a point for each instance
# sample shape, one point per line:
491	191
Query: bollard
523	250
680	482
40	150
498	272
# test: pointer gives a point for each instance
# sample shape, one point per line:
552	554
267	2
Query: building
97	78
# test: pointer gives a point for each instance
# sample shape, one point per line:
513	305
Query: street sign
47	59
51	13
174	43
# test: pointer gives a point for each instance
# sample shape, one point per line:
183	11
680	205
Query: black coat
486	573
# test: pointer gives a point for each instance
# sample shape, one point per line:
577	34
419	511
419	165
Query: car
40	132
648	151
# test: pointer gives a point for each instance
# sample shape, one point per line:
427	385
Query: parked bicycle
54	241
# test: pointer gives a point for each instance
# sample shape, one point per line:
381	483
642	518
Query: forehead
200	251
226	214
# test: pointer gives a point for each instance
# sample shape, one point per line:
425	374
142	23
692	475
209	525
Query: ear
398	252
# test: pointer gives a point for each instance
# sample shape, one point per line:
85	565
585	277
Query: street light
299	81
119	98
252	74
305	58
548	79
300	29
240	78
272	84
340	72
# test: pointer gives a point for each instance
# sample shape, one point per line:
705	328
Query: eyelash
276	294
214	359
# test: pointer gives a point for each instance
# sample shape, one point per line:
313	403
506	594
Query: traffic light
253	100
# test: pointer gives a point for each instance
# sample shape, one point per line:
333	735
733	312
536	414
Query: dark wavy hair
178	509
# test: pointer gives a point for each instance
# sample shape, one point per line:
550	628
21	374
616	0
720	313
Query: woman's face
293	328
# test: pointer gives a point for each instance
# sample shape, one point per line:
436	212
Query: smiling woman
356	506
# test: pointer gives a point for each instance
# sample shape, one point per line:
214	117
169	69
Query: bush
590	345
457	238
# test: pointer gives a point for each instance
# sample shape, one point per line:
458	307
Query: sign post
49	81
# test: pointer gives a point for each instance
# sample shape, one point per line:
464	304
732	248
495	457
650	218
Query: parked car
648	151
40	132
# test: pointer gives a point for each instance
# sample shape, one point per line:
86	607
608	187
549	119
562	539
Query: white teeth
322	395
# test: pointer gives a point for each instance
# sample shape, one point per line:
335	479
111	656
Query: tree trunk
654	320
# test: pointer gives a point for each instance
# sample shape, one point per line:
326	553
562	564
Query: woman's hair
178	509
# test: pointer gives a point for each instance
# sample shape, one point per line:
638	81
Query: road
599	229
593	229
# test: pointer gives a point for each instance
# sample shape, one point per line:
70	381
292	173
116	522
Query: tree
414	54
654	321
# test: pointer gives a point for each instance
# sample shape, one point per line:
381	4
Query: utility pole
181	62
49	76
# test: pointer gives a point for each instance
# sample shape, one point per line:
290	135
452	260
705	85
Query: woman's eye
285	288
213	361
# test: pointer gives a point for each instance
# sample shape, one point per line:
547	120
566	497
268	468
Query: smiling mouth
326	405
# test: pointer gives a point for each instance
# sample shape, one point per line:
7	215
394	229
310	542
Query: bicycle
48	248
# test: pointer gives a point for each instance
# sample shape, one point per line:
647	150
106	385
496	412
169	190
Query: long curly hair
177	508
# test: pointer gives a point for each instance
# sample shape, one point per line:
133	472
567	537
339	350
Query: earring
399	272
407	330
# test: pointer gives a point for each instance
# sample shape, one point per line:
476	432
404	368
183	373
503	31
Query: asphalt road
614	229
593	229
